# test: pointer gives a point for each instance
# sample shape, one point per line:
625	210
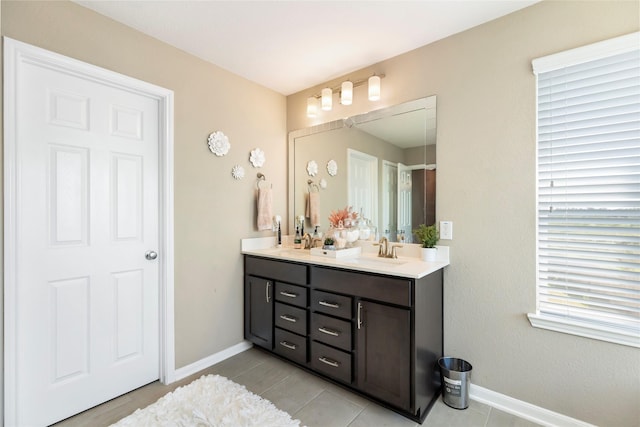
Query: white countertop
408	264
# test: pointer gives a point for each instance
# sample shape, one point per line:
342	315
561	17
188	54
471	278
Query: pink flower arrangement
346	215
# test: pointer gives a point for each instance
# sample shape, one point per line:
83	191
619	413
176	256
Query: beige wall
486	186
212	210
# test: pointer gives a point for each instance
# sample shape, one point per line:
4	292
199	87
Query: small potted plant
329	244
428	236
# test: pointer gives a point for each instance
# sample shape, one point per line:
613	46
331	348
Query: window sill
583	330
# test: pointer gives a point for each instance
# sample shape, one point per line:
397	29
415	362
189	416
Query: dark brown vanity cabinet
258	311
383	348
382	330
378	335
331	335
265	282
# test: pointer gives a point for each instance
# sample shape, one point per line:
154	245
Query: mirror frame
425	102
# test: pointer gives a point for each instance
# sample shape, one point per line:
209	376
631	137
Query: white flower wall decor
237	172
257	158
332	167
312	168
218	143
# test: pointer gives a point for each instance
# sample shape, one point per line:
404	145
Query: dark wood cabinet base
378	336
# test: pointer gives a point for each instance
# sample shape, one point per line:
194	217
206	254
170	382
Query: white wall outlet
446	230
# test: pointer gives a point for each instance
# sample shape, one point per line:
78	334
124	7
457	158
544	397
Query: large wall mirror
385	169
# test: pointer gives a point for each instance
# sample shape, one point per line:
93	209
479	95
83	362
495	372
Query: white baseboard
208	361
522	409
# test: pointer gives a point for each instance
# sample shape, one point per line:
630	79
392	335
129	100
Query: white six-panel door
87	312
363	183
404	201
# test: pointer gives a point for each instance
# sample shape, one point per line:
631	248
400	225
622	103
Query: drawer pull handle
328	361
329	304
288	345
288	318
288	294
328	332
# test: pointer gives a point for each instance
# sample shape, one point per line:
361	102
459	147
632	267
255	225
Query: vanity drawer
328	303
393	290
330	330
291	294
291	346
330	361
291	318
277	270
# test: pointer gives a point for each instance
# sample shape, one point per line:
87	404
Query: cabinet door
258	311
383	347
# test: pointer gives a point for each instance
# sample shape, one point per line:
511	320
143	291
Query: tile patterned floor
315	402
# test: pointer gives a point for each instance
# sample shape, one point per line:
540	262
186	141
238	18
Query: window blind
589	194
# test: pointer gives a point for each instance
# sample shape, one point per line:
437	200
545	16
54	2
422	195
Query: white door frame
15	54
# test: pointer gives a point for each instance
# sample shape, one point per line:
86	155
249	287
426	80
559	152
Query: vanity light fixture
374	88
327	98
346	94
312	106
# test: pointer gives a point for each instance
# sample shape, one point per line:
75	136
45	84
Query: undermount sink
336	254
370	260
353	256
288	252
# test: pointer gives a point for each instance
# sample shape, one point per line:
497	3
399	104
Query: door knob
151	255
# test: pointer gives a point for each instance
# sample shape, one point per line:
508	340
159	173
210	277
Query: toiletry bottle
297	241
279	236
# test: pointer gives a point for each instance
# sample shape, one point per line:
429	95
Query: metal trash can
456	379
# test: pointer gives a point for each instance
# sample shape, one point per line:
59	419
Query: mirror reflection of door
389	199
404	203
363	184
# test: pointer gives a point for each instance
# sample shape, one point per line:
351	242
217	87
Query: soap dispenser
277	219
297	241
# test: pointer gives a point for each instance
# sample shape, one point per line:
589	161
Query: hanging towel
314	208
265	201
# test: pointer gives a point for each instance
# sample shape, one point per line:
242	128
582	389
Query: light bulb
312	107
346	96
327	99
374	88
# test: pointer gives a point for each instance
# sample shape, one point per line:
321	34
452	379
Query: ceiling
289	46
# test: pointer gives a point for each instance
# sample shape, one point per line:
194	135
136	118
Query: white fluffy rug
211	400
